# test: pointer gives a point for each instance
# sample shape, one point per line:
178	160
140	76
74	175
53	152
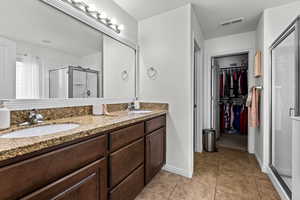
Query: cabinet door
88	183
155	153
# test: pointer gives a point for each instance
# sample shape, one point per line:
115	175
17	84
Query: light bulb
121	27
113	21
103	15
92	8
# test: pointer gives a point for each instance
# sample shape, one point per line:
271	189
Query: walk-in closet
229	95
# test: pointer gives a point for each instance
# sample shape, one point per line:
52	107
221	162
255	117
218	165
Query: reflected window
27	79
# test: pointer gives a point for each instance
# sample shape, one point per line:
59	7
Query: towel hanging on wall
254	104
257	67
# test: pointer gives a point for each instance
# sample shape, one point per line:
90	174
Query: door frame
197	85
293	27
250	52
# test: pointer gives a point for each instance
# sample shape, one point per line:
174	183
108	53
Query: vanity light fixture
91	11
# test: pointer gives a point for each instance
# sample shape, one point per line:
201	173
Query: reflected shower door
283	104
92	85
79	84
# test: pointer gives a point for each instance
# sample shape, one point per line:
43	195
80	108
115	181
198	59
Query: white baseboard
178	171
261	165
273	179
277	185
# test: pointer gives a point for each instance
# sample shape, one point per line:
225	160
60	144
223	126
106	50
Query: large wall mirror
46	54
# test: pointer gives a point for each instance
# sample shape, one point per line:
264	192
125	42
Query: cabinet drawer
88	183
124	161
130	187
155	124
25	177
125	136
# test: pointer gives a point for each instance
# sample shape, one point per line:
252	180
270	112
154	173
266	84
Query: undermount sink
140	111
40	130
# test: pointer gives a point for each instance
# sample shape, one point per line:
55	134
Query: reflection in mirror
118	69
45	53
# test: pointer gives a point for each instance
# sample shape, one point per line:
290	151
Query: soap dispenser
4	116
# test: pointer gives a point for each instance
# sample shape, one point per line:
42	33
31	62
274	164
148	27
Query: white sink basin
39	130
140	111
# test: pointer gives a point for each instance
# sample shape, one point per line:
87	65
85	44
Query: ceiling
210	13
32	21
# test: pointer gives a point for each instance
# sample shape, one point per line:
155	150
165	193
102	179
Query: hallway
226	175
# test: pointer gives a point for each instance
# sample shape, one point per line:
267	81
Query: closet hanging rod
230	68
259	87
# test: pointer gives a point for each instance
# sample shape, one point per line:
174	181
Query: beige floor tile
161	187
193	190
237	185
266	189
225	175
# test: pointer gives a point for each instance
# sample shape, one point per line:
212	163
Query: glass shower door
283	104
79	84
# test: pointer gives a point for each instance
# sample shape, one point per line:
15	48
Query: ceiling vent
232	21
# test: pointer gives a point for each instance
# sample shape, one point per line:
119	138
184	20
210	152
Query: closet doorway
229	94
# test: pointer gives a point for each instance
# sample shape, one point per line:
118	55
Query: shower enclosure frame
292	28
70	79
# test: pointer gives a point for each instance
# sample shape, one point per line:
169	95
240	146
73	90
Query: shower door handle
292	112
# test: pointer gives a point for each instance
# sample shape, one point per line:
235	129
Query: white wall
114	11
166	44
7	69
222	46
259	136
116	59
197	36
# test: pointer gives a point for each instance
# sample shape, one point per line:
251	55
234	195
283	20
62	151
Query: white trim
79	15
58	103
262	167
277	185
177	171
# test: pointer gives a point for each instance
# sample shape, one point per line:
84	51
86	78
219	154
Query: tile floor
225	175
238	142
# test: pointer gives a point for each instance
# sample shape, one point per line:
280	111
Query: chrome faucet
131	106
34	117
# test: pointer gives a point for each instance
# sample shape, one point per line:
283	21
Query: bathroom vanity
112	158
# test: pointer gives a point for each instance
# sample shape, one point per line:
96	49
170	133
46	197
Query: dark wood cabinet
88	183
125	136
24	177
155	153
154	124
117	164
124	161
130	187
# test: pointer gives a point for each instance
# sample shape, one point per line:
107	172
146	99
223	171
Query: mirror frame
63	7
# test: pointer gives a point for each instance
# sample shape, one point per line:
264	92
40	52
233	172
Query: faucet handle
39	117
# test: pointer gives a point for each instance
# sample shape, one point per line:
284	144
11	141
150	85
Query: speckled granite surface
89	125
18	117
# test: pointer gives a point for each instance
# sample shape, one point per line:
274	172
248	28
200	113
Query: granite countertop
89	125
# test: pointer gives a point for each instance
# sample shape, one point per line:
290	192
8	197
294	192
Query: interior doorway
229	92
197	144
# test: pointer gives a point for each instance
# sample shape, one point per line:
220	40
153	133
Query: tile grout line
215	192
172	191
